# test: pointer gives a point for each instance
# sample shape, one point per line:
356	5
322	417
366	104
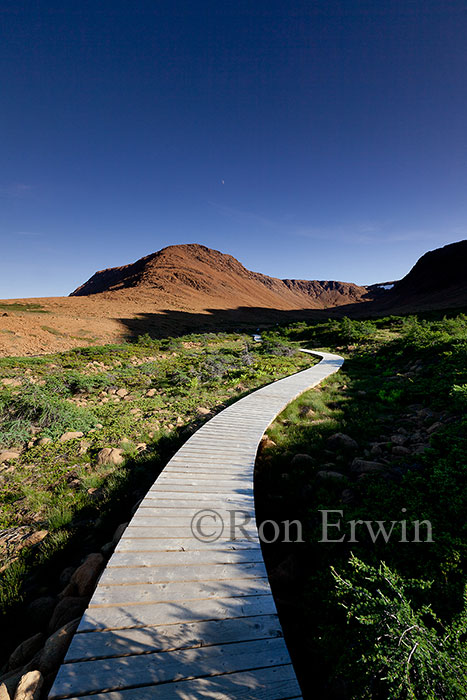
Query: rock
40	611
44	441
107	549
8	683
84	446
302	460
400	451
362	466
29	687
306	412
69	608
347	496
151	392
119	532
419	449
56	646
99	426
122	392
266	444
203	411
340	441
434	427
141	447
66	575
329	475
11	381
25	651
85	576
4	694
398	439
71	435
376	450
110	455
7	455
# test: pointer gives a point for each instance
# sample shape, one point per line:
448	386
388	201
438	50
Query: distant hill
438	280
192	274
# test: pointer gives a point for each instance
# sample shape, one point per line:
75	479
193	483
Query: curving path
176	617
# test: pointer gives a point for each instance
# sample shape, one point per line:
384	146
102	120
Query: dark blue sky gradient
338	128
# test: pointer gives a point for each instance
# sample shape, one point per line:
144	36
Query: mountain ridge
191	268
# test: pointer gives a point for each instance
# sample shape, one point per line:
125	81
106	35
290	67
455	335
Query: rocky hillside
438	280
192	272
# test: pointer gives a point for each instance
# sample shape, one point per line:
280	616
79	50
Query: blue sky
314	139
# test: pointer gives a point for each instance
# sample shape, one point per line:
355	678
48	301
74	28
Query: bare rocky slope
438	280
192	271
187	288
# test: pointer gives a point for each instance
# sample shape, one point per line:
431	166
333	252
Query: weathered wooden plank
183	544
176	591
161	574
163	667
152	614
208	555
101	645
274	683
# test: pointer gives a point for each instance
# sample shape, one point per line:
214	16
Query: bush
54	415
403	647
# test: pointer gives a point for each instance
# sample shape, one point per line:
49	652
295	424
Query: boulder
363	466
44	441
266	444
40	611
8	683
7	455
151	392
119	532
110	455
302	460
434	427
329	475
122	392
84	446
25	651
203	411
29	687
71	435
69	608
400	451
4	694
56	646
398	439
341	441
85	576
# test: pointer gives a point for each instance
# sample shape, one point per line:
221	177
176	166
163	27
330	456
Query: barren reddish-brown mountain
176	290
190	287
191	273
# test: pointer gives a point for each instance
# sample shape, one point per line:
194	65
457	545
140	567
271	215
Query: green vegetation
143	399
30	307
370	618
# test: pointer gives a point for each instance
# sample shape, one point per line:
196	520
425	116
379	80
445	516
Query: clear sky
315	139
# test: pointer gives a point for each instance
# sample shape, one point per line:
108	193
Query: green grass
404	367
29	307
58	486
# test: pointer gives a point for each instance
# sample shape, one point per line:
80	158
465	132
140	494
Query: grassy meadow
83	430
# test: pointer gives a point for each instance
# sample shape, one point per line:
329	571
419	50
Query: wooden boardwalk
184	608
